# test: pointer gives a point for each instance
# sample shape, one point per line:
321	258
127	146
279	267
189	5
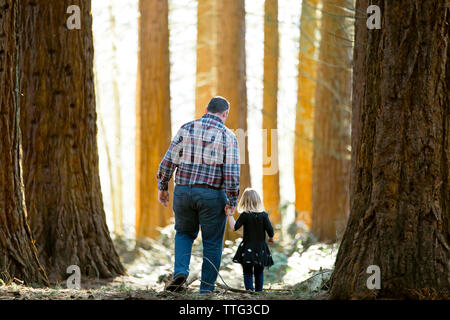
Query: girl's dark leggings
249	272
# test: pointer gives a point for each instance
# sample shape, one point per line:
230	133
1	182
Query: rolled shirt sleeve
170	161
231	170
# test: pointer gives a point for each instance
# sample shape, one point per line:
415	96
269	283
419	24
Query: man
206	155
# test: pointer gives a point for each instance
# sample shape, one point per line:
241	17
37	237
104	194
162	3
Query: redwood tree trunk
231	73
271	175
206	75
18	255
153	126
331	126
58	121
231	79
399	216
303	148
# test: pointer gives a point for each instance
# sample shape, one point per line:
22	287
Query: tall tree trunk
231	74
332	125
231	79
58	121
206	76
18	255
271	184
400	196
153	125
117	194
303	148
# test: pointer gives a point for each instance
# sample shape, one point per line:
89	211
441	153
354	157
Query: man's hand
270	240
163	197
229	210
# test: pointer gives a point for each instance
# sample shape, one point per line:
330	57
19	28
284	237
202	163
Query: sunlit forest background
183	34
346	100
115	31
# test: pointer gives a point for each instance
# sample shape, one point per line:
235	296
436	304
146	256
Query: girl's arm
231	222
268	227
235	225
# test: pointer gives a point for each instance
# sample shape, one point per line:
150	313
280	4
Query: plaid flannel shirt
203	151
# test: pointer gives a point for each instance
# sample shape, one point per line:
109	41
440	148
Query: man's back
203	152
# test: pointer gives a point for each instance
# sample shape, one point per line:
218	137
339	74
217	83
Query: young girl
253	252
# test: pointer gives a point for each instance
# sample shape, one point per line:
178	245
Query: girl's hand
229	211
270	240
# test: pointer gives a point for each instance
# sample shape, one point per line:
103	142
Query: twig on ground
278	290
318	273
234	289
190	282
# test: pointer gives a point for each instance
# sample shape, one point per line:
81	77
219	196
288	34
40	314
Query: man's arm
231	171
168	166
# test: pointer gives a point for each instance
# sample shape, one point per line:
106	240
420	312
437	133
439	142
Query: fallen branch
190	282
278	290
318	273
234	289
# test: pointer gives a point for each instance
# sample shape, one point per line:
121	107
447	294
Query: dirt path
127	288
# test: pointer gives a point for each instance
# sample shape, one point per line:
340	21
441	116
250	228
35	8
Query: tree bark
231	74
303	148
332	125
271	183
232	80
18	255
58	121
399	216
153	132
206	75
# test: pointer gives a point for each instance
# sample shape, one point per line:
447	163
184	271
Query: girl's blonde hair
250	201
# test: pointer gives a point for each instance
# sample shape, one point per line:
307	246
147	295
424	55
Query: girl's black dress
253	248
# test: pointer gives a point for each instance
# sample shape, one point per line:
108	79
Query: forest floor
301	271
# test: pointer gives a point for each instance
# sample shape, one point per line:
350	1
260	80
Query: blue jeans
196	207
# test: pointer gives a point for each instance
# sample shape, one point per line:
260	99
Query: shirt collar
211	116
